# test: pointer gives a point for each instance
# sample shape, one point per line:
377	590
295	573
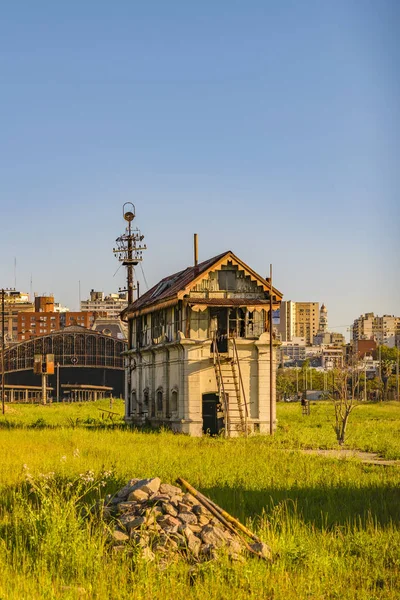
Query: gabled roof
175	287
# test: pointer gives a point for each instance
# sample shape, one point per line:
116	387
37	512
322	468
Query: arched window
132	406
144	406
174	401
146	396
159	397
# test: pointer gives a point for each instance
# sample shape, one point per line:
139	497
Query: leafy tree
286	382
387	366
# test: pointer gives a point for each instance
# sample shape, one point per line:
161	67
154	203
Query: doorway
219	325
211	422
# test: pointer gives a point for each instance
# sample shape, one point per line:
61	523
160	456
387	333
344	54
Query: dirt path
366	457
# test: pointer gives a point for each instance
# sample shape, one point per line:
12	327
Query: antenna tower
129	248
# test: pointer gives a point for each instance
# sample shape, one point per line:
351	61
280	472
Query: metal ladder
230	386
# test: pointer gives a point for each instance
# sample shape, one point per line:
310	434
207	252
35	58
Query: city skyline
271	131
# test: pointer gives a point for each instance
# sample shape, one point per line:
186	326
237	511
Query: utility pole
11	292
129	252
397	371
58	382
3	348
128	249
44	388
380	371
271	355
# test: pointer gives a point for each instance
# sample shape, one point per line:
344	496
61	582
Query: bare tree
346	381
387	367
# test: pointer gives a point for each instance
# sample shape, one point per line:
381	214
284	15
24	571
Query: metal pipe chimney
196	250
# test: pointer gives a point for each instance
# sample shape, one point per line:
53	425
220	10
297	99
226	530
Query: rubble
159	518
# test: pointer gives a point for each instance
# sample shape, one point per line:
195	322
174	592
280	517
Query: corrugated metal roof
171	285
168	288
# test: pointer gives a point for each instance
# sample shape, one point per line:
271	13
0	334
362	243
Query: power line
144	277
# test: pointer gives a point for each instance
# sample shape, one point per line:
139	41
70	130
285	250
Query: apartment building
45	319
298	319
42	323
14	303
112	305
384	330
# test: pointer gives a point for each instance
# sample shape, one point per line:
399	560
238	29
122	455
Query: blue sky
269	128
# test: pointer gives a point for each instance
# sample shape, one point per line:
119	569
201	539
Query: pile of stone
159	518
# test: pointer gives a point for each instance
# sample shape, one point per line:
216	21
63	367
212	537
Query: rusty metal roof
170	287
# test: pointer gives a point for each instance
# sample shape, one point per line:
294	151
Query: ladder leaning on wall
231	389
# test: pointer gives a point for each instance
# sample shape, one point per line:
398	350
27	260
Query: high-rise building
384	330
35	324
112	305
14	303
298	319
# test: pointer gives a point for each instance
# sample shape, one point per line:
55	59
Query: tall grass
333	525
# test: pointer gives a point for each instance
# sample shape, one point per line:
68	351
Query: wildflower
63	459
76	453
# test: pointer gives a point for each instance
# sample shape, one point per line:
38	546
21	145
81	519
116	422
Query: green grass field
333	524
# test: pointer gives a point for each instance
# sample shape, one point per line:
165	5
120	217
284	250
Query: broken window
157	325
132	403
174	401
177	321
227	280
237	322
159	401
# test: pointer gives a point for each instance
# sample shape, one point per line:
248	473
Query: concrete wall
186	368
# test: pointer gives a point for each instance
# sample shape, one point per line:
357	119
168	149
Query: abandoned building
199	351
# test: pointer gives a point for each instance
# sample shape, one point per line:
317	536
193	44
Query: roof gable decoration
177	286
229	258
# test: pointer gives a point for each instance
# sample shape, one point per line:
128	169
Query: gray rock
184	508
234	546
137	495
189	499
208	551
195	528
198	510
175	500
119	536
155	511
188	518
203	520
168	521
186	531
170	490
194	545
168	509
127	489
150	486
262	549
134	523
125	507
213	535
171	529
158	498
